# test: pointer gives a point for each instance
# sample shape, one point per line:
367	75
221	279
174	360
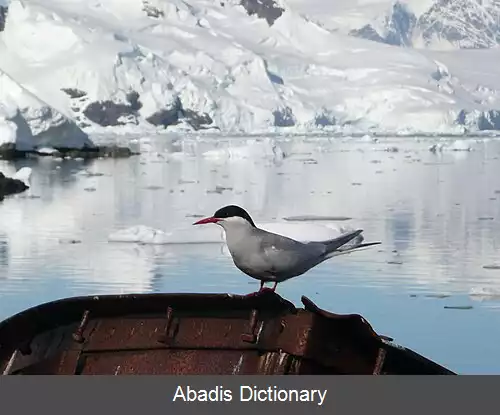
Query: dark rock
3	17
325	119
172	116
461	117
115	152
196	120
264	9
367	32
74	92
151	11
440	74
489	120
465	24
133	100
164	117
485	121
284	117
112	151
275	79
9	152
10	186
399	25
468	25
108	113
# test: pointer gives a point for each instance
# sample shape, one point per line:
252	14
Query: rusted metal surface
197	334
78	334
380	361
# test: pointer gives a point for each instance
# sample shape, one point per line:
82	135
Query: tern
269	257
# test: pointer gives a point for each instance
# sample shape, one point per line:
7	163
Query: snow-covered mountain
434	24
248	66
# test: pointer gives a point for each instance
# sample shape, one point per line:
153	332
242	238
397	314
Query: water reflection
4	252
436	214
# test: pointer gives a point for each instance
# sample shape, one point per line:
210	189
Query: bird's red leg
257	292
262	288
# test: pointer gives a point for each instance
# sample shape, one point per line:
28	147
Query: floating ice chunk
436	147
178	155
47	151
230	153
457	145
23	174
461	145
392	149
438	296
369	139
484	294
253	149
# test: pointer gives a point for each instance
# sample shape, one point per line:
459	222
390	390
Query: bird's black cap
233	210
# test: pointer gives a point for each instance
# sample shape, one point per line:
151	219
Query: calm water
436	214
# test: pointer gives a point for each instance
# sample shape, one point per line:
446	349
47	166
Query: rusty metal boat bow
198	334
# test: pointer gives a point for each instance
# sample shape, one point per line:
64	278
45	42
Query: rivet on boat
163	338
251	337
78	334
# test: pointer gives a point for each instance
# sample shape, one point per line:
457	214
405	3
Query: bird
269	257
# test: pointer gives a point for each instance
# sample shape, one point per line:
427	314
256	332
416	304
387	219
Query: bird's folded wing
342	240
283	255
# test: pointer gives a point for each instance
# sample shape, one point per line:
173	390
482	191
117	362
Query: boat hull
176	334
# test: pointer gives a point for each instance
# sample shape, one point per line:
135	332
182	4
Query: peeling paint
237	368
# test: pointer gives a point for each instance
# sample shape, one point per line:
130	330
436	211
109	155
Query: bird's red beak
207	220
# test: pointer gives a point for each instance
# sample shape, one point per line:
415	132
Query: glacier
73	69
29	124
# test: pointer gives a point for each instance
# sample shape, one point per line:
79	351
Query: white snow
219	62
430	24
8	129
29	123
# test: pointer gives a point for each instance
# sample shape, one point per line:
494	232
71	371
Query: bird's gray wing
280	256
